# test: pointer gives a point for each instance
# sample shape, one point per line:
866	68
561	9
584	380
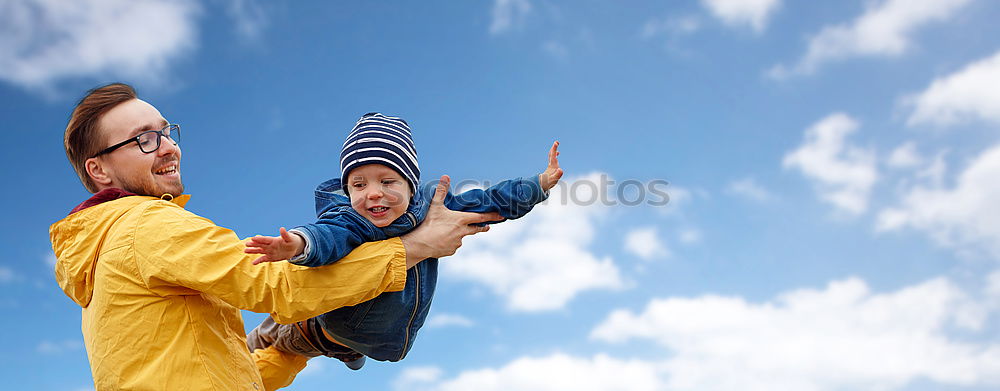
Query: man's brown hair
83	139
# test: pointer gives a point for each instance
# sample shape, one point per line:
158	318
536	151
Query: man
161	288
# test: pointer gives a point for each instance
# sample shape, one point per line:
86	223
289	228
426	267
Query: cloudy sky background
833	218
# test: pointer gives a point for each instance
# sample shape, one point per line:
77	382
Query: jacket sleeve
336	233
512	198
277	369
178	252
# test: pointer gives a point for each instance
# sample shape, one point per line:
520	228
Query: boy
377	197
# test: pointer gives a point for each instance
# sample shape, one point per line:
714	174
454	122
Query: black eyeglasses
149	141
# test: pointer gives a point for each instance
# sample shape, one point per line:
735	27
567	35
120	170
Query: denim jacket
340	228
384	328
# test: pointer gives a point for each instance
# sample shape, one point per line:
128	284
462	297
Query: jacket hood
77	241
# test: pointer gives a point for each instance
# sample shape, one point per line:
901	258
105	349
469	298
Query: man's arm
277	369
177	248
334	235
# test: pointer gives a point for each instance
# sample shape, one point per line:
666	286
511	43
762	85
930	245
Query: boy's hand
552	173
275	248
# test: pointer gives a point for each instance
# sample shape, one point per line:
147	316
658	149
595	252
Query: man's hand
275	248
441	233
552	173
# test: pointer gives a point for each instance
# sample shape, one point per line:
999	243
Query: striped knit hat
384	140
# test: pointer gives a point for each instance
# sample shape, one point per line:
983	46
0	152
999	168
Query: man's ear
96	171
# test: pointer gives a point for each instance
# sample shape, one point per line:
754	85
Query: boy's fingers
284	234
441	190
260	260
259	240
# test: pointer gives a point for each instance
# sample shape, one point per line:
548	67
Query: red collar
101	197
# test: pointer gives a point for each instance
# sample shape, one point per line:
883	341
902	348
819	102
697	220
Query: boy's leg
324	342
287	338
304	338
263	335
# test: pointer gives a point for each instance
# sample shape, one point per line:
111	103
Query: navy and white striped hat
384	140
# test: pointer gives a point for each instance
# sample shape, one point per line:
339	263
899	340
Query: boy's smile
378	193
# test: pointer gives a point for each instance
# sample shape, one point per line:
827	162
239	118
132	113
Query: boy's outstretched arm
275	248
548	178
511	198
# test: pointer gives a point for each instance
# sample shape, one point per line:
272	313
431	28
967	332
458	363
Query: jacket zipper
416	304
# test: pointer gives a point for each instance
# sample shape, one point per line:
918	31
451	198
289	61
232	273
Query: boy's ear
97	171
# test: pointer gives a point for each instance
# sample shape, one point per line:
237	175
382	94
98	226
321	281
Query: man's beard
148	188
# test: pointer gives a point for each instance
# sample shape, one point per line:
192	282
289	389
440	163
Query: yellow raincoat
162	288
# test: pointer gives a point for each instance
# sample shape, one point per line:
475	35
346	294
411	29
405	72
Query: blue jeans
376	328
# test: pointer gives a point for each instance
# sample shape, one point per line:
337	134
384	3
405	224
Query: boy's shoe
352	359
357	363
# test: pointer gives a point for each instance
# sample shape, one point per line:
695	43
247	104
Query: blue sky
832	172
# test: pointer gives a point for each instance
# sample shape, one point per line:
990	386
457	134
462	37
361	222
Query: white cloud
413	378
970	93
556	372
884	30
541	261
50	259
690	236
905	156
316	366
507	14
7	275
930	171
58	347
739	13
841	337
672	30
964	216
677	198
47	41
249	18
672	26
555	49
446	320
748	187
993	288
843	174
645	243
465	186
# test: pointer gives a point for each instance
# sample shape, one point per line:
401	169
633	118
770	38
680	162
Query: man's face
129	168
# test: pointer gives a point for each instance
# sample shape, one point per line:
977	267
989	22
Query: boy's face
378	193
